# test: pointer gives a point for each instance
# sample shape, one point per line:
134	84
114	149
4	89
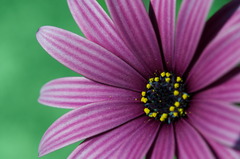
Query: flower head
155	86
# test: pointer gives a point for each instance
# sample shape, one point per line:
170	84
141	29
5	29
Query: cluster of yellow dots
175	110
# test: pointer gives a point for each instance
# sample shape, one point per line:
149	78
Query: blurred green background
25	67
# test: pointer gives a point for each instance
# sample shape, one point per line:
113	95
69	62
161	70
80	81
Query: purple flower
152	88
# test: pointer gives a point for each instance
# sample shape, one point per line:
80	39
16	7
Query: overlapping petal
165	14
98	27
87	121
104	145
89	59
135	28
73	92
216	119
190	23
165	143
228	91
190	144
221	55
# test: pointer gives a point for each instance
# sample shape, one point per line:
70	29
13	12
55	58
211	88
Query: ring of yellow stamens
164	98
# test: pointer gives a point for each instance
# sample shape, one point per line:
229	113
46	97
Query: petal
164	11
190	144
216	119
87	121
140	141
88	59
103	145
165	143
73	92
190	24
98	27
221	55
228	91
136	30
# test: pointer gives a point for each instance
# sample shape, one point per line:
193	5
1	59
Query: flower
152	88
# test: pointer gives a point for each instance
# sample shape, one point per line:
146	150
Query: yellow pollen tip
163	74
168	74
176	85
177	104
151	79
143	93
184	96
180	111
147	111
148	86
175	93
178	79
156	79
172	108
153	115
162	119
175	114
167	80
144	100
164	115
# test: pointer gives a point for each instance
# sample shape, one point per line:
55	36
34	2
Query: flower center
164	98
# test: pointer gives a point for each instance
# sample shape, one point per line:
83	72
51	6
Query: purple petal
89	59
221	55
216	119
190	144
87	121
164	11
135	28
190	24
98	27
102	147
165	143
73	92
228	91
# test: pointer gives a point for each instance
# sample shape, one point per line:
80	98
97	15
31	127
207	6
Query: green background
24	68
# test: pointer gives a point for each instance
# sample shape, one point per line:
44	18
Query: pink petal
87	121
165	14
135	28
103	145
73	92
98	27
165	143
228	91
217	120
89	59
221	55
190	144
140	141
190	24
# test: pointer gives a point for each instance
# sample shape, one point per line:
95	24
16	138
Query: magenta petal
165	14
135	28
165	143
87	121
191	20
221	55
102	147
216	119
228	91
73	92
190	144
98	27
89	59
139	143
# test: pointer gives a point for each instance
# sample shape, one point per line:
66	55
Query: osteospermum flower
152	88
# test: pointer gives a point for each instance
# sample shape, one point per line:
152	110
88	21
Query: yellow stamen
167	80
175	93
175	114
168	74
151	79
153	115
156	79
164	115
143	93
163	74
177	104
172	108
184	96
148	86
178	79
176	85
180	111
147	111
144	100
162	119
